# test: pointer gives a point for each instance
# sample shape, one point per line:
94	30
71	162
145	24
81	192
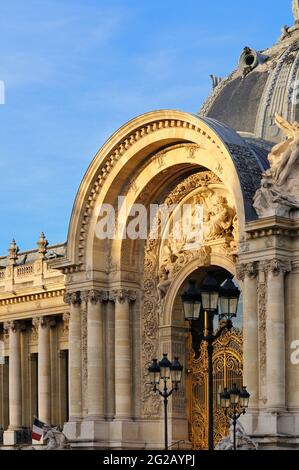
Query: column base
102	434
12	437
94	432
72	429
271	423
250	421
125	435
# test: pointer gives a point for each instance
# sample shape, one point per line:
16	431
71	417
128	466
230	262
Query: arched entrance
161	158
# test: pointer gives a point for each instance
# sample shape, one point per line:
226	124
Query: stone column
33	390
15	385
110	361
75	357
62	387
292	334
248	274
95	354
26	421
275	328
123	360
4	384
42	324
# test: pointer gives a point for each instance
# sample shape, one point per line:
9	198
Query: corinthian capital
43	322
14	326
276	266
247	269
95	296
122	295
72	298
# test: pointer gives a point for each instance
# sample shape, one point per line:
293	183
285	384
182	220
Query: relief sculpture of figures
279	192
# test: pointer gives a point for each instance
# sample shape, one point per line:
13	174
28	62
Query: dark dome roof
264	83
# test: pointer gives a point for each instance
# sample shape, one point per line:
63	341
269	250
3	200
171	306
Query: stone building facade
81	321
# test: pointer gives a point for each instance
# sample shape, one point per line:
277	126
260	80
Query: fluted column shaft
275	327
250	333
110	361
95	354
123	359
15	386
75	357
44	369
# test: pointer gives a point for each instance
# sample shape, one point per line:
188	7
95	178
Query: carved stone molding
122	296
247	269
72	298
94	296
276	266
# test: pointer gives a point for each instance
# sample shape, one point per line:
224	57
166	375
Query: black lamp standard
235	403
165	371
200	307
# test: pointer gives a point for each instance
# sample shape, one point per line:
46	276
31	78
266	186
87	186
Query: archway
168	157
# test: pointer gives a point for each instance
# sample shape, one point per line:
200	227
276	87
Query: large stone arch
143	161
219	149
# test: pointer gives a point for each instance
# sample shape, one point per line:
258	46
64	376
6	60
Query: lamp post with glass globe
234	403
200	308
162	373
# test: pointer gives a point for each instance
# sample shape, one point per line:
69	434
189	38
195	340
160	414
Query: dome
263	84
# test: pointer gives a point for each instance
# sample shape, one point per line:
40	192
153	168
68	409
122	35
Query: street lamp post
235	403
200	307
165	371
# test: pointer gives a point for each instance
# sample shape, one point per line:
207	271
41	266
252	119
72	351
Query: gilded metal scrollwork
227	369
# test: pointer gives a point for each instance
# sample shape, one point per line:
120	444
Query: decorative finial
296	11
42	244
13	252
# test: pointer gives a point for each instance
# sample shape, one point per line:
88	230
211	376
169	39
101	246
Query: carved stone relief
164	260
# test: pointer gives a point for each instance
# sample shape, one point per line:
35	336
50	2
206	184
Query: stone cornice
270	226
17	299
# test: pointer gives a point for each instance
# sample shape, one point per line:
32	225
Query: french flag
37	430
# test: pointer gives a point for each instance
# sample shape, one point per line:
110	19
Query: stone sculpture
243	442
55	438
279	192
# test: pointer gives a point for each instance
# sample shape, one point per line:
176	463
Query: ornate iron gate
227	369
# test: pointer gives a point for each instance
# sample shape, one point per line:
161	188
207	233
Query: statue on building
279	192
55	438
296	11
243	441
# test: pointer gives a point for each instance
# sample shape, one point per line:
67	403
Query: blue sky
76	70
